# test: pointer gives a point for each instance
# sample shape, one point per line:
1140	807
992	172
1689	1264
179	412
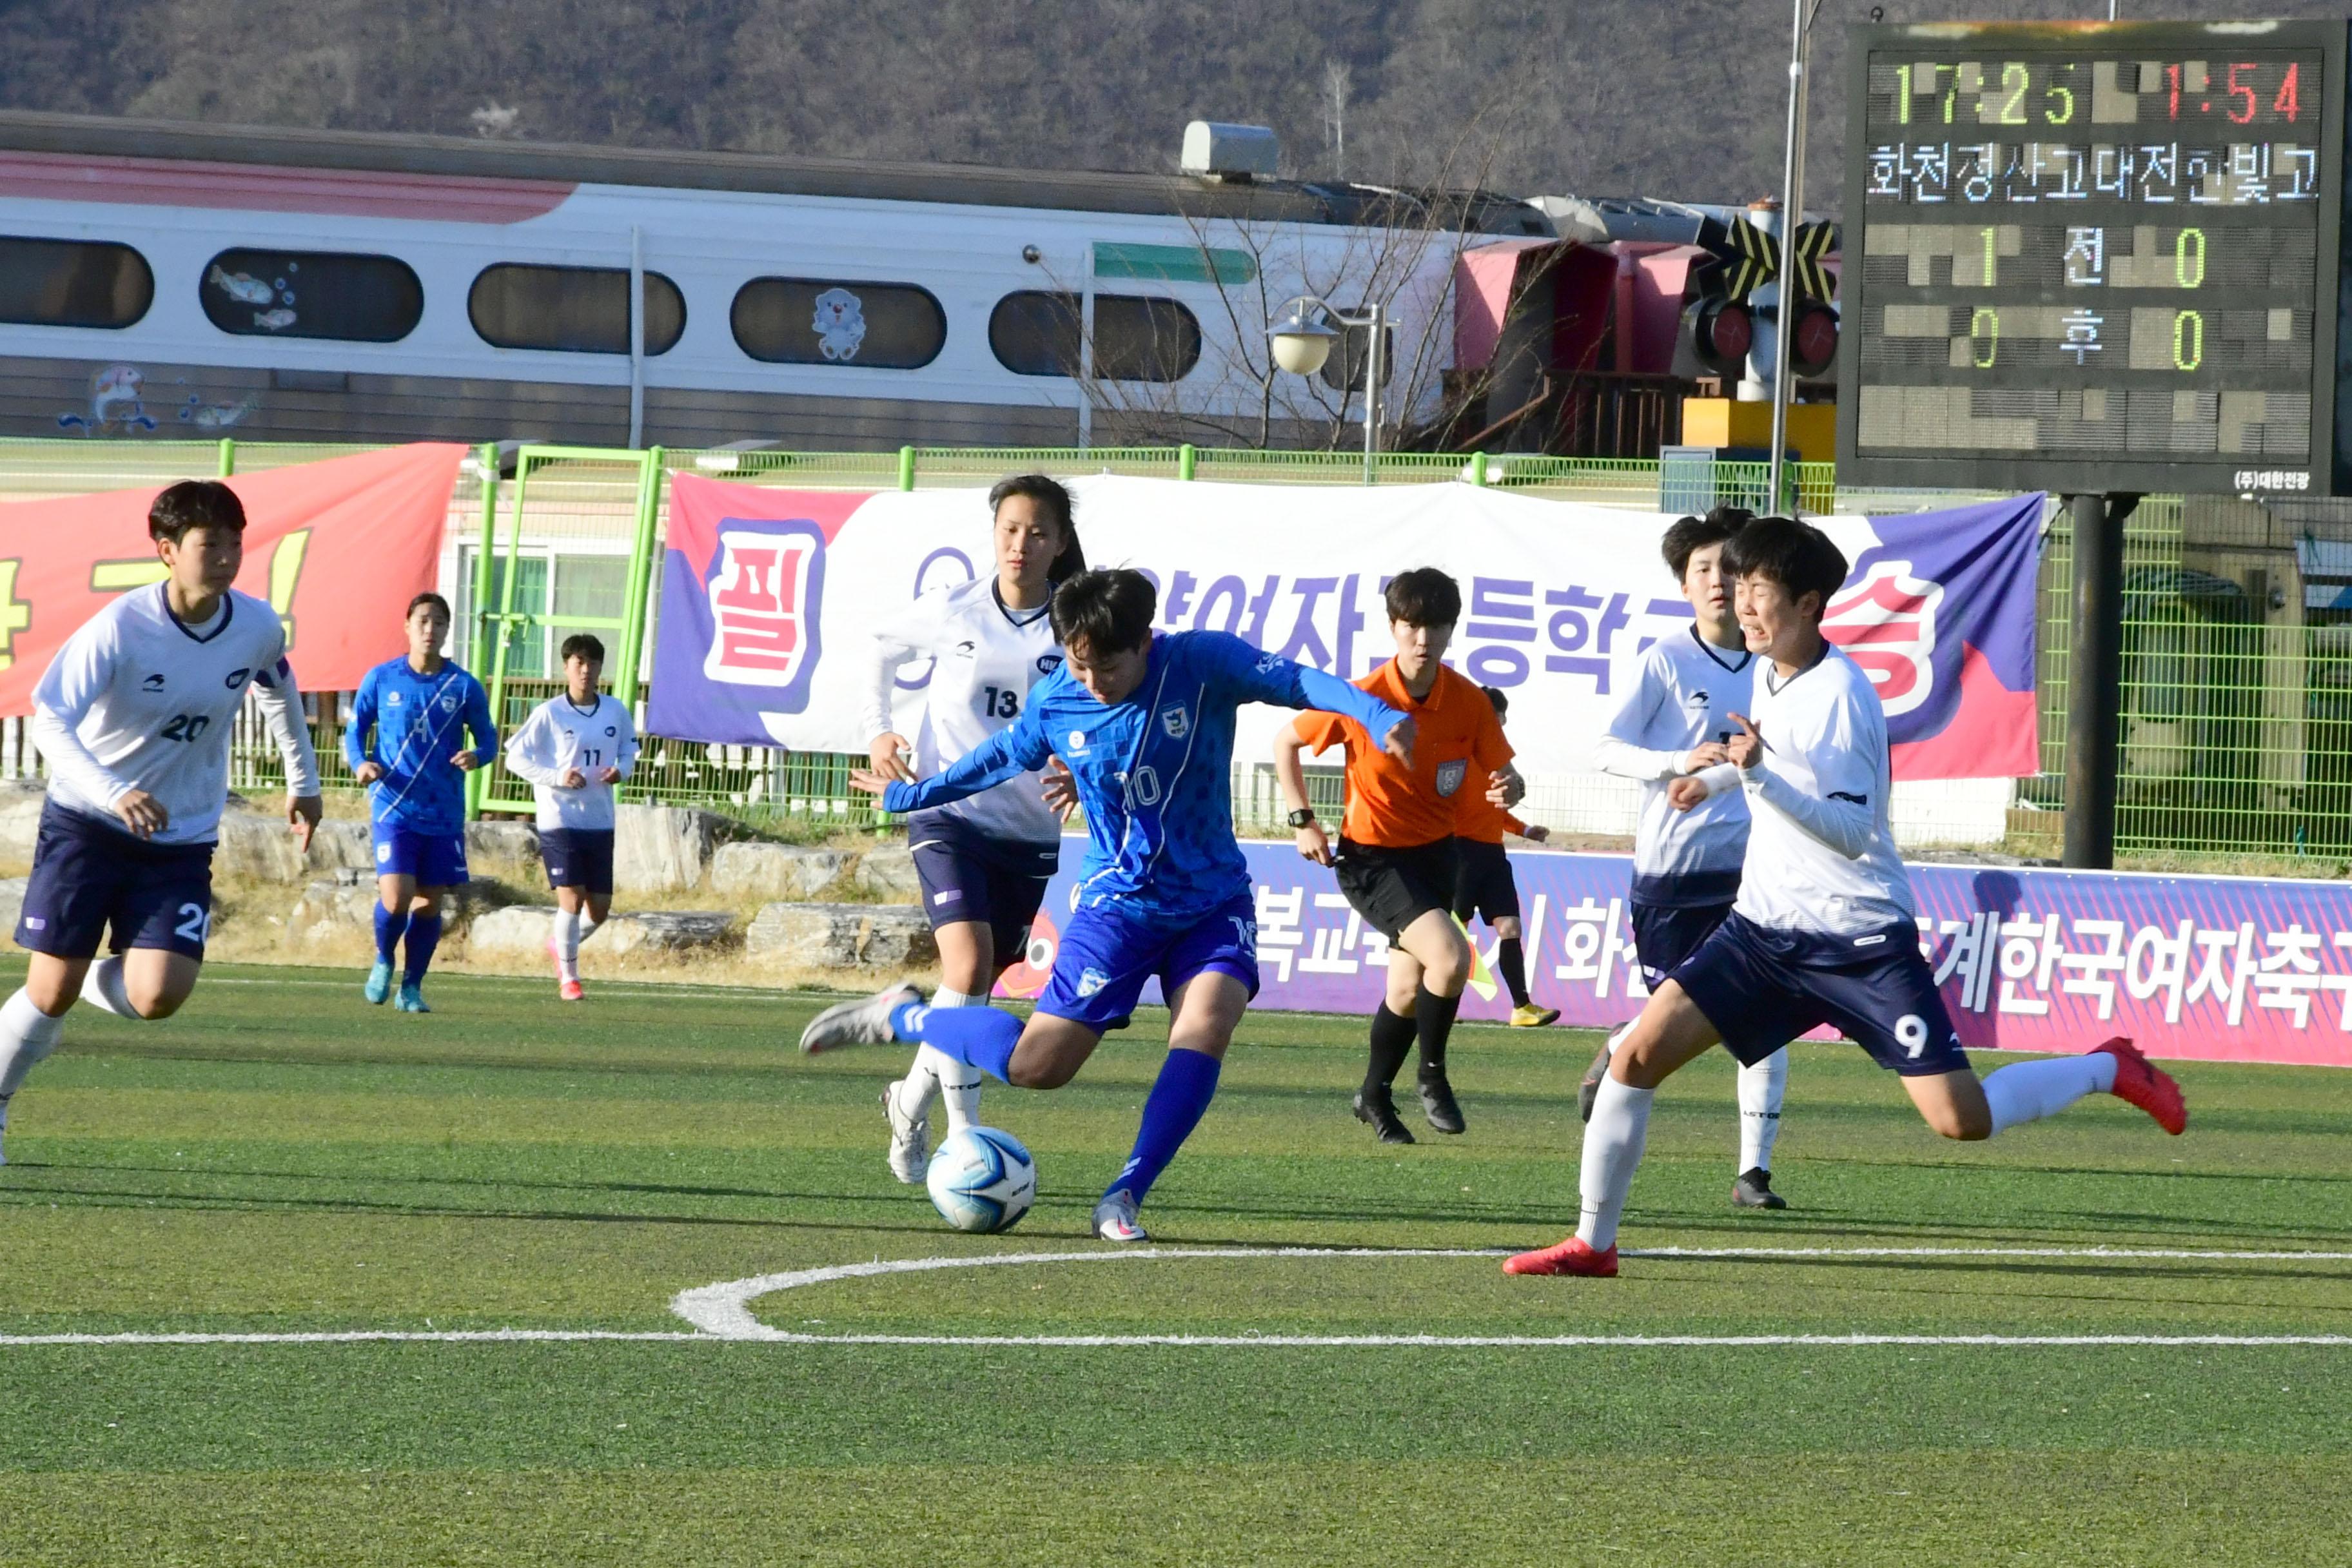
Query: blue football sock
982	1037
424	936
1187	1081
389	929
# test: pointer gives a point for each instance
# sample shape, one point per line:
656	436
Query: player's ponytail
1053	500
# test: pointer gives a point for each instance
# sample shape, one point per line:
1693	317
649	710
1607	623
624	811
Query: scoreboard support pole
2095	680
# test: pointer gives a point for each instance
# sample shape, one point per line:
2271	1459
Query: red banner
337	548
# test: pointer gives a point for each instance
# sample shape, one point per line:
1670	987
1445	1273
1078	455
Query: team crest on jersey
1176	721
1886	624
1047	663
392	699
1450	776
1078	740
449	703
1091	981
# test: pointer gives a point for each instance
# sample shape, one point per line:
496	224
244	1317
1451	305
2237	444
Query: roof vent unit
1237	154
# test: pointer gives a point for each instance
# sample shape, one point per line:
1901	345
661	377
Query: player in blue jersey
1145	724
403	740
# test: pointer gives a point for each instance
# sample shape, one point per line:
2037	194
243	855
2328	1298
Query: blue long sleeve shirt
1154	771
411	725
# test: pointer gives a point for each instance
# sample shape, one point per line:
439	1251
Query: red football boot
1570	1257
2139	1081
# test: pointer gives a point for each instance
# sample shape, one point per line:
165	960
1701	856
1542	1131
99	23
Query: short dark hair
1797	555
1109	609
435	600
1423	596
194	503
587	645
1499	699
1054	499
1690	535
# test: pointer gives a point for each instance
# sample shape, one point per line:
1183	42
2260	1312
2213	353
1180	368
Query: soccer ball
982	1179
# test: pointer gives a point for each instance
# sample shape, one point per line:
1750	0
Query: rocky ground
697	900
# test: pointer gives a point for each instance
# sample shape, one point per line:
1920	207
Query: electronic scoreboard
2094	258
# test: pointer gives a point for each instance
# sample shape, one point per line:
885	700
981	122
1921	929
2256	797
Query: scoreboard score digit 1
2094	258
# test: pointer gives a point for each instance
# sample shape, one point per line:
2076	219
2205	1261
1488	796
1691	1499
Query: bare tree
1338	78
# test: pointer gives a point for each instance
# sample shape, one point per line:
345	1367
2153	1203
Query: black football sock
1511	962
1432	1018
1391	1042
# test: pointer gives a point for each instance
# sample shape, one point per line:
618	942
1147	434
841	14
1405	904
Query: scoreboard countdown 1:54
2094	258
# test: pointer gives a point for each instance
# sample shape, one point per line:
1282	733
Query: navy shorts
435	860
1762	988
969	876
578	858
1666	934
90	879
1106	957
1483	883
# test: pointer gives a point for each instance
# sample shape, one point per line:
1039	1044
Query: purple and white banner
2194	968
770	598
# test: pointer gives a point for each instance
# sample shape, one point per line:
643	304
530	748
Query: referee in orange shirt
1396	860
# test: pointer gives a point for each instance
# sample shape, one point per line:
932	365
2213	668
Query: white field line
720	1313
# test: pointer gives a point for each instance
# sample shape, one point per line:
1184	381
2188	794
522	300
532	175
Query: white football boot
910	1136
1115	1218
865	1022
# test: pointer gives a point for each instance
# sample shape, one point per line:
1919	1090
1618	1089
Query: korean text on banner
769	596
2194	968
337	548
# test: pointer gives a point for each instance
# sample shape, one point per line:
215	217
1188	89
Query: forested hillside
1672	98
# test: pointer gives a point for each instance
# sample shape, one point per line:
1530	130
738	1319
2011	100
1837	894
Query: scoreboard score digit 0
2094	258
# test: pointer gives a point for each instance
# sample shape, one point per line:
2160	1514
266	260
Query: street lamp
1302	341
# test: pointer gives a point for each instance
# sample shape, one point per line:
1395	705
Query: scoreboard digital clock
2094	258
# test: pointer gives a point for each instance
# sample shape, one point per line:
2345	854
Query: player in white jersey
984	862
572	750
1675	721
133	717
1826	929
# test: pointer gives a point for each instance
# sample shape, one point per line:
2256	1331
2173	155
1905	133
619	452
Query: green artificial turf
282	1158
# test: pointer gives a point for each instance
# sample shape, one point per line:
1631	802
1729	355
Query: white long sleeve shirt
986	658
1680	700
1821	851
138	700
559	736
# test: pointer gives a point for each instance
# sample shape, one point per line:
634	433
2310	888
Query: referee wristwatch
1303	817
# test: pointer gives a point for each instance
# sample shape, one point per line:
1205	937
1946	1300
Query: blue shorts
1106	956
435	860
1762	988
89	879
578	858
1666	934
969	876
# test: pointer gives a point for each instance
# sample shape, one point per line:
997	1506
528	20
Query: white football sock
102	987
1761	1089
1618	1038
1612	1151
567	943
2028	1092
26	1035
588	926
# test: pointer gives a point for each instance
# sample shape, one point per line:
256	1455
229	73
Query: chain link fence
2237	687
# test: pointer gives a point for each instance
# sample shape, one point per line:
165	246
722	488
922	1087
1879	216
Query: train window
808	320
576	310
73	283
312	294
1344	371
1135	338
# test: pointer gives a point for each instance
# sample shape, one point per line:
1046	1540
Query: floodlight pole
1372	368
2095	681
1792	211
